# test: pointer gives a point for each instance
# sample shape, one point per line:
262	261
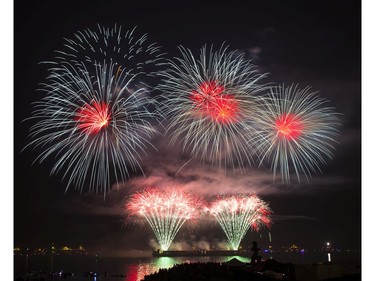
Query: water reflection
135	269
137	272
165	262
145	269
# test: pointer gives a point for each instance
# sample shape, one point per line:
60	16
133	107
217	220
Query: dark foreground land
235	270
231	270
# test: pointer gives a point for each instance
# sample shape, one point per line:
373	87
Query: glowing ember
210	100
237	213
289	126
92	118
226	109
165	211
207	94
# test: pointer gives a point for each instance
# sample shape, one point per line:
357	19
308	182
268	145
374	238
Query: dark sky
313	43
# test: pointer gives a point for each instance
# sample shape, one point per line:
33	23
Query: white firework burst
94	118
296	132
211	105
95	127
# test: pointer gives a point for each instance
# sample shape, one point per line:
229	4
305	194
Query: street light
328	251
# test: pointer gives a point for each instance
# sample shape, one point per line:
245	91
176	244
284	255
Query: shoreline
131	266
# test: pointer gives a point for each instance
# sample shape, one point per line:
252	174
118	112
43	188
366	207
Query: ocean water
134	269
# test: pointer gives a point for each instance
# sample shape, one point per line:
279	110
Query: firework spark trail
237	213
296	132
131	51
210	102
165	211
92	126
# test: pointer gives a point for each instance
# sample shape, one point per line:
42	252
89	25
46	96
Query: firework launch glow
165	211
296	132
210	104
237	213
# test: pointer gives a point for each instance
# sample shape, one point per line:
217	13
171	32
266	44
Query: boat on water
200	253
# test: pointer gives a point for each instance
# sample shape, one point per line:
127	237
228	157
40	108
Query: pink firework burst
165	211
237	213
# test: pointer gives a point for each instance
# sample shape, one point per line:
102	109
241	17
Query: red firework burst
289	126
91	118
210	100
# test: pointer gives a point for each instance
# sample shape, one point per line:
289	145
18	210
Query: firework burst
296	132
94	117
165	211
237	213
210	102
94	127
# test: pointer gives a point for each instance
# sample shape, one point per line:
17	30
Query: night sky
312	43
